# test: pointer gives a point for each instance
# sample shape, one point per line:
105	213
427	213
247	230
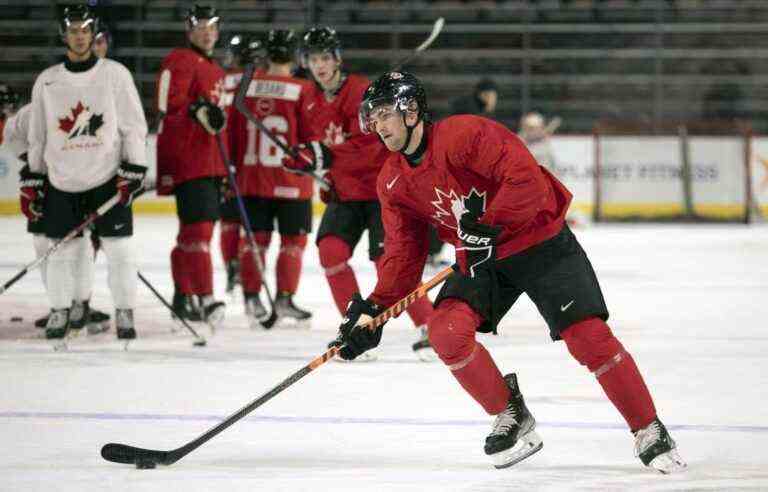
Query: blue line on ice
359	421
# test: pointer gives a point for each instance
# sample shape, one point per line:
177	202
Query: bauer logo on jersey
473	202
82	128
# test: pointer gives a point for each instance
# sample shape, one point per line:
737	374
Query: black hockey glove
130	179
354	337
210	116
478	242
310	157
32	193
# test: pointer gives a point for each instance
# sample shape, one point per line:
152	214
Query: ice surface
689	303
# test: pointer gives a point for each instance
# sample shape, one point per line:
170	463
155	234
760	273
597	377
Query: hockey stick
437	27
103	209
269	322
199	340
149	458
242	90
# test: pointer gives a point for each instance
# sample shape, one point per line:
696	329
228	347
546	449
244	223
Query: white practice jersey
16	131
83	124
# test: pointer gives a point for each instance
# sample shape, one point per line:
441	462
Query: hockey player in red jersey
352	206
242	49
270	192
190	97
479	186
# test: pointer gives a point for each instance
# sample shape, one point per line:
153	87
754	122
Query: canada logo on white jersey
449	203
79	125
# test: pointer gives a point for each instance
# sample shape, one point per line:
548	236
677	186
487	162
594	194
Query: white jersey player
87	135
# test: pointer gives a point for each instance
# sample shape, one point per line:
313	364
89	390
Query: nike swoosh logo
310	106
566	306
119	226
392	183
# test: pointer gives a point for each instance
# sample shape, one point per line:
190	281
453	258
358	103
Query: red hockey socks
289	262
249	272
229	240
334	254
593	345
194	260
452	335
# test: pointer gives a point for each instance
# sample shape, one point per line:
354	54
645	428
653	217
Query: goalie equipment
281	45
78	13
513	438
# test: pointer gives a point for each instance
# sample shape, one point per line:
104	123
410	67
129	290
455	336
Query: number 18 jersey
276	101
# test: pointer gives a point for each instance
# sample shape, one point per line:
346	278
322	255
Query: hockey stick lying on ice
437	27
270	321
103	209
199	340
149	458
242	90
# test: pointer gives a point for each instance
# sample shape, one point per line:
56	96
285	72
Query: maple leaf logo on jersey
81	123
474	202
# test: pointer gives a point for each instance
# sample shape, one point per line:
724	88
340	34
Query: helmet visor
375	111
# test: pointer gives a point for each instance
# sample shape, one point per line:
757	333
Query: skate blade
669	462
426	354
60	345
293	323
525	447
215	320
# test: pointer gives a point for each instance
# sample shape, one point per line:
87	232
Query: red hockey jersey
480	163
276	101
357	158
185	151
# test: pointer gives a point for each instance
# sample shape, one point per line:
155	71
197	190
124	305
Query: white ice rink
689	303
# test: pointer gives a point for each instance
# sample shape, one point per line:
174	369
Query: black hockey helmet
200	13
103	32
245	48
401	90
78	13
320	40
281	45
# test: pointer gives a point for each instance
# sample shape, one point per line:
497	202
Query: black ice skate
213	312
422	347
186	307
58	324
78	315
124	324
98	322
233	275
287	310
513	437
656	449
254	311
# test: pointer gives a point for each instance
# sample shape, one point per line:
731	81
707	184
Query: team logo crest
265	106
81	122
449	206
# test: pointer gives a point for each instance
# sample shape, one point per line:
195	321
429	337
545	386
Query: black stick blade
122	453
270	322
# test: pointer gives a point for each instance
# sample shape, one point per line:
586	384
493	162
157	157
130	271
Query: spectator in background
482	101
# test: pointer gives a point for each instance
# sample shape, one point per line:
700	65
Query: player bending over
475	181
